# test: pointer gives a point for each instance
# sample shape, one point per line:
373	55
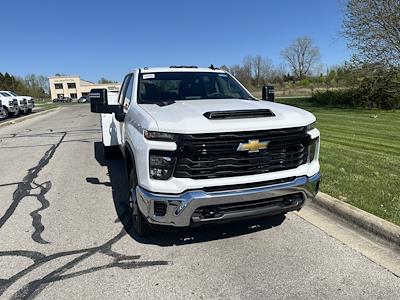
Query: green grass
40	106
45	106
360	156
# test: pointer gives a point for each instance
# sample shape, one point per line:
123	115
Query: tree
262	70
372	29
223	67
301	56
103	80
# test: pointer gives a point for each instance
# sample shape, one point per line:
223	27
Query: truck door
124	100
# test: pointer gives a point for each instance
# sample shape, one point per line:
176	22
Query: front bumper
183	210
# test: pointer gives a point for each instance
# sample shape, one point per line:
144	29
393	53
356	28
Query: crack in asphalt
49	134
36	217
24	189
35	287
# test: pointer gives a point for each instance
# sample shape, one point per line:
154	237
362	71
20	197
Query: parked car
29	99
200	149
9	105
63	99
22	102
83	99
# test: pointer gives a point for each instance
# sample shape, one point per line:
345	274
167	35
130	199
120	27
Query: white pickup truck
9	105
22	101
199	148
30	102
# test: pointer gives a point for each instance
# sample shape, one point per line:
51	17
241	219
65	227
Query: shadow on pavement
119	183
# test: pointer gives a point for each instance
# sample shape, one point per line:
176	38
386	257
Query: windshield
5	94
167	86
14	94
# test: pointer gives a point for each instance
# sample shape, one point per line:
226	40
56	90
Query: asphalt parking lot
64	233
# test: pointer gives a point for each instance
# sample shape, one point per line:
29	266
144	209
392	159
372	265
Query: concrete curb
372	224
23	118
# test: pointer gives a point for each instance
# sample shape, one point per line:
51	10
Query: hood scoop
239	114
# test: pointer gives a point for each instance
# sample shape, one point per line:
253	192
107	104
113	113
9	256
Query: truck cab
200	149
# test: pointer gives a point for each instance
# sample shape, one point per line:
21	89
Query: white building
75	87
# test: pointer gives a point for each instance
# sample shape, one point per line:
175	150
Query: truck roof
179	69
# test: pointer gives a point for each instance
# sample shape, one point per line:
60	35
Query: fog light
181	207
161	166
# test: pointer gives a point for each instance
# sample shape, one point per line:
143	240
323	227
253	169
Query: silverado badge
253	146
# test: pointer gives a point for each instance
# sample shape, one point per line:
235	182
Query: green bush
356	98
376	88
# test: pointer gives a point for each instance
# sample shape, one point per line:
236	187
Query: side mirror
99	102
268	93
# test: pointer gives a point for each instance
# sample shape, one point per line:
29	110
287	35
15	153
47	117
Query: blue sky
108	38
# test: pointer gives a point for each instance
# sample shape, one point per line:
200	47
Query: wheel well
129	158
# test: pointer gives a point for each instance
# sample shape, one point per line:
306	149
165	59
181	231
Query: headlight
161	165
310	127
312	149
159	136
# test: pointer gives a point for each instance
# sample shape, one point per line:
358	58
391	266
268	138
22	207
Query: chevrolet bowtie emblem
253	146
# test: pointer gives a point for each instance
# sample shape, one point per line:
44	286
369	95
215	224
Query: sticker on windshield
149	76
222	75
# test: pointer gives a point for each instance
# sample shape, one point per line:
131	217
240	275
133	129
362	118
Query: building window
58	86
73	96
71	85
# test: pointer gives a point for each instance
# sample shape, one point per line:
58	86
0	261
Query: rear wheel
140	224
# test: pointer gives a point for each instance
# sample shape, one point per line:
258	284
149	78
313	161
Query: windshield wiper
247	98
160	103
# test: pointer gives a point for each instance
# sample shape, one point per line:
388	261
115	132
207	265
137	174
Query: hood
188	116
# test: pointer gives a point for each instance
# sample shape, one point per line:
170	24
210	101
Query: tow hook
211	212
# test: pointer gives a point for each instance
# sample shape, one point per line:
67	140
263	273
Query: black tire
139	222
5	114
29	110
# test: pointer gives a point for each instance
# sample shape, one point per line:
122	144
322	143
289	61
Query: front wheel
4	115
139	222
29	110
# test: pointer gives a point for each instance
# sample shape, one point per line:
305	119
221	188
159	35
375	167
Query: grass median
360	156
41	106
